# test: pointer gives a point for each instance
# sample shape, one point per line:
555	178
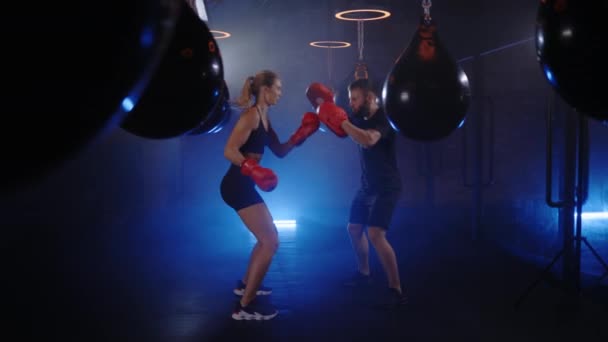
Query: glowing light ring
330	44
220	34
380	14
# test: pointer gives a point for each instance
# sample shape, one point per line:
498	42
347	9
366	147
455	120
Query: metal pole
430	176
477	128
567	218
581	193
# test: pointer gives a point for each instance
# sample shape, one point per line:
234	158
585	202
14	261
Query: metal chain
329	64
360	36
426	4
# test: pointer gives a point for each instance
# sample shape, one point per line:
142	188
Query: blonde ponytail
244	99
252	87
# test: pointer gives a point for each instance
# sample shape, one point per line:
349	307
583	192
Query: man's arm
364	137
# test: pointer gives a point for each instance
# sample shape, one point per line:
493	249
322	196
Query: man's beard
363	111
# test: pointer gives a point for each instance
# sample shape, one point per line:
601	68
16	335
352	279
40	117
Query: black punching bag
186	86
218	117
70	70
426	94
571	38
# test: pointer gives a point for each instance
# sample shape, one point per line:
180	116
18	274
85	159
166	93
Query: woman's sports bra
257	139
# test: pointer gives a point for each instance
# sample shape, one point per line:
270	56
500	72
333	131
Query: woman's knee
270	241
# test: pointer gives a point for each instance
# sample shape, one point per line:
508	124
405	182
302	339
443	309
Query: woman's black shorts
238	191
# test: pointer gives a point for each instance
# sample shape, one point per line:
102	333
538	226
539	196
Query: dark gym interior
501	231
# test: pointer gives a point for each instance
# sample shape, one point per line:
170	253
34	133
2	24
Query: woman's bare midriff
256	156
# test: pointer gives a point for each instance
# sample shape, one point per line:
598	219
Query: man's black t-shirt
379	171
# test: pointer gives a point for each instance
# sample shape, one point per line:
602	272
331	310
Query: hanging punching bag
218	117
570	45
69	69
426	94
186	86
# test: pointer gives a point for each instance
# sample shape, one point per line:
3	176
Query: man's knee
376	234
355	229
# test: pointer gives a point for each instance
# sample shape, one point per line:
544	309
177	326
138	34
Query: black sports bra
257	139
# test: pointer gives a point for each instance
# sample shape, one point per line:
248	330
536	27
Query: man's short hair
364	84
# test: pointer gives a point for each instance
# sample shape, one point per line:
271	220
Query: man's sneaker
256	310
358	280
392	300
239	289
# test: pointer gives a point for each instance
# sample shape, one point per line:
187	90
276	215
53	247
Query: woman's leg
259	221
254	251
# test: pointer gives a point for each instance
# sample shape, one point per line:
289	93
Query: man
374	204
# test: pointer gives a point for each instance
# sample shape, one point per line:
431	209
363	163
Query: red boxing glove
310	124
264	178
333	117
317	94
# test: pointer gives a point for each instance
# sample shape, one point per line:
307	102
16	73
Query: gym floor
459	289
169	277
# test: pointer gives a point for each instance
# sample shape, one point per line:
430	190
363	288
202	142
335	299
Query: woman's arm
279	149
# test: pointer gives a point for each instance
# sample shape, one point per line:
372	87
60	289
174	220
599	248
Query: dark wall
122	176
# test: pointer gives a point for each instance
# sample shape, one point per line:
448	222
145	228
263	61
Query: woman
244	150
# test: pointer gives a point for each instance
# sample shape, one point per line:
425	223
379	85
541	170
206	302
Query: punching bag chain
360	35
329	64
426	4
360	67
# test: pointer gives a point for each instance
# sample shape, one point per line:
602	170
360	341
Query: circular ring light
220	34
364	14
330	44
